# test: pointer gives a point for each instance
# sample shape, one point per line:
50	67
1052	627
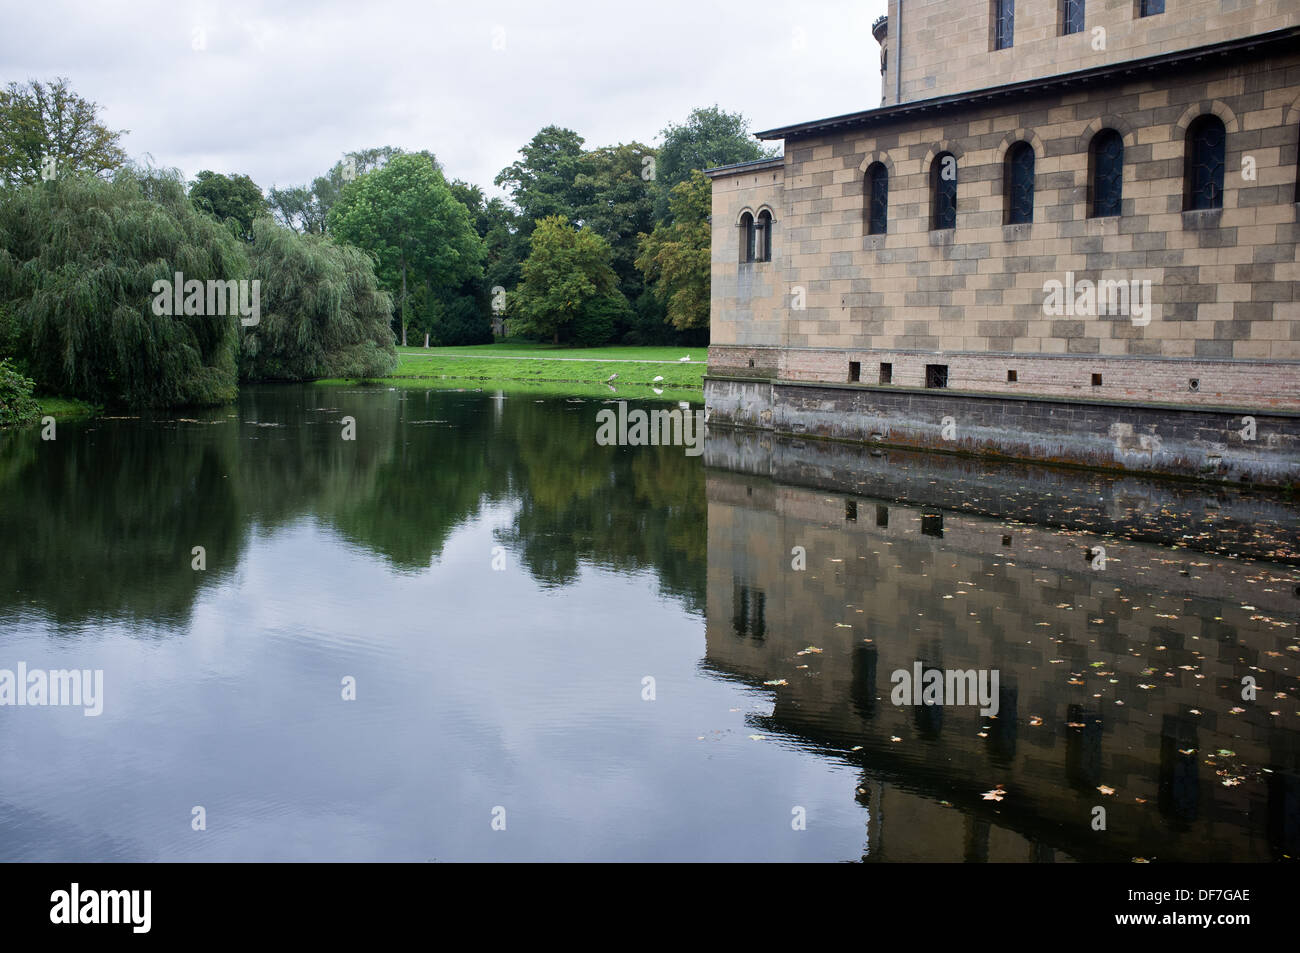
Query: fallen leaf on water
777	681
1105	790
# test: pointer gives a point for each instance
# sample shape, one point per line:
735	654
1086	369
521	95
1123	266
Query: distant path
582	360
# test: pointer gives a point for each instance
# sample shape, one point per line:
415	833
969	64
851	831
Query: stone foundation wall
1209	444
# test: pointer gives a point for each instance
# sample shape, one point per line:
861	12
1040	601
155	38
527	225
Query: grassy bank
62	408
547	369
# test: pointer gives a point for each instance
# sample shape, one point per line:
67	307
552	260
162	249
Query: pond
474	633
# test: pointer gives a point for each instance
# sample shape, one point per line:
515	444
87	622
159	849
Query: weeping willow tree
323	314
78	261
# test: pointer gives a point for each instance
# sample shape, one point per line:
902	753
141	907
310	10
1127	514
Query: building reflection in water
1120	679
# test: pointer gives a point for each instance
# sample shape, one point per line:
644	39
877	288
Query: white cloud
280	90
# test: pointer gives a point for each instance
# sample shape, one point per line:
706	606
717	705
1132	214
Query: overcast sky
281	90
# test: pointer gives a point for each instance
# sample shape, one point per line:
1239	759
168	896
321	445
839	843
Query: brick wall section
1225	283
1210	445
753	292
1253	385
947	44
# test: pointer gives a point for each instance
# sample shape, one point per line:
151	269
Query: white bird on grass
657	379
683	360
610	378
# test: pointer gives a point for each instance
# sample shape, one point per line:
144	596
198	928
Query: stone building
1069	233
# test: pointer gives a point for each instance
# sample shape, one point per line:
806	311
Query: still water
626	652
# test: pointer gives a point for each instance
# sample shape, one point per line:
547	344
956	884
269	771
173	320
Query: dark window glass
749	618
763	241
1107	173
1151	7
746	237
1206	141
936	375
1020	184
943	186
1004	23
1071	16
877	199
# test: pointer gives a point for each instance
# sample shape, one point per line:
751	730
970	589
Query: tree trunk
426	340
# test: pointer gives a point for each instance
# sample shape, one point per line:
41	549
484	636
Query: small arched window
763	236
1020	184
876	191
1206	146
1106	173
943	191
746	237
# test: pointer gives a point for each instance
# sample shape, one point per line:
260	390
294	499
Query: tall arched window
763	236
876	191
1206	145
1020	184
1106	173
943	191
746	237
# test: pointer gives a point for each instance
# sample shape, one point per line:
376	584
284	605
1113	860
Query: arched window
876	191
1106	173
1206	144
1020	184
943	191
763	237
746	237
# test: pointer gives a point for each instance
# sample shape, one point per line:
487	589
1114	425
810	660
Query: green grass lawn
589	372
536	350
65	407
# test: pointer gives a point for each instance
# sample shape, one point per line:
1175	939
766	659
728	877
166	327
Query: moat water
474	633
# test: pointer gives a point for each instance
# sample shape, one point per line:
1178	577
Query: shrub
16	403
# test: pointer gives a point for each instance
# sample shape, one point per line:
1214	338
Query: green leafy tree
42	122
615	200
233	199
504	247
297	208
541	182
323	313
710	137
305	208
405	215
567	270
675	256
78	263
